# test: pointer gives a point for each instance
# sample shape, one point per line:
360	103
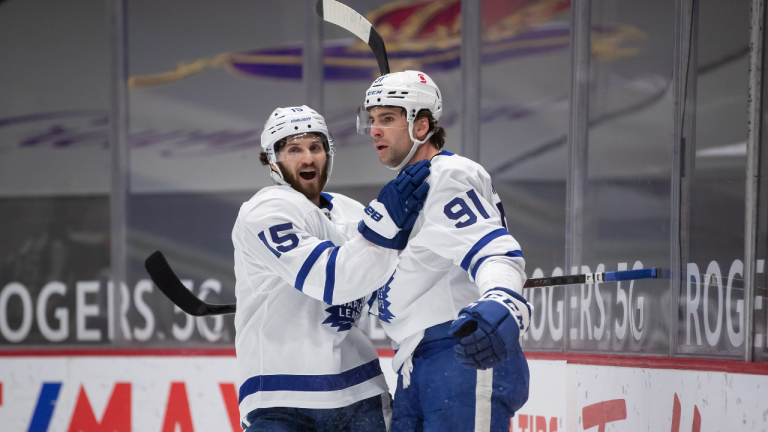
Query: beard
311	192
396	154
397	157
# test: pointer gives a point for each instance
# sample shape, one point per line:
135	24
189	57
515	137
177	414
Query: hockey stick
346	18
171	286
163	276
593	278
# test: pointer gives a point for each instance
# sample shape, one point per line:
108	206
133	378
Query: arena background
129	126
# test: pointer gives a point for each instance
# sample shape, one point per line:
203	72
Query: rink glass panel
194	143
626	209
54	174
760	327
523	134
194	152
711	315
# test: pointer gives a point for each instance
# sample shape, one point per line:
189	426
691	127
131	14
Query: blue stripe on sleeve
311	383
330	276
481	244
309	262
515	253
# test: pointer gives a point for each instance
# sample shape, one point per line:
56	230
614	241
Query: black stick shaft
165	279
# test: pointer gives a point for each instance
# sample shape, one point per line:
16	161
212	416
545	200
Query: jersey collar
326	200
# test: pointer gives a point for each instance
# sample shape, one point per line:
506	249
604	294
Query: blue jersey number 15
280	240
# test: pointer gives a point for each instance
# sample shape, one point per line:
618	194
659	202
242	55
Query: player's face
304	164
391	137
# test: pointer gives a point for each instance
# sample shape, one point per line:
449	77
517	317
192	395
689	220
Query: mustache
308	165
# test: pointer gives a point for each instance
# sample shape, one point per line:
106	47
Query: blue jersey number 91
464	209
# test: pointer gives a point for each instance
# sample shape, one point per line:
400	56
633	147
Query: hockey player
452	307
304	365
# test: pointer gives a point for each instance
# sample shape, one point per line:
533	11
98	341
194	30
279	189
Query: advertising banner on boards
166	393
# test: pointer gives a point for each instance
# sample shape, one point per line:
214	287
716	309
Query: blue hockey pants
444	396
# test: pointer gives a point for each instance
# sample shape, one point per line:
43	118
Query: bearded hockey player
303	364
452	307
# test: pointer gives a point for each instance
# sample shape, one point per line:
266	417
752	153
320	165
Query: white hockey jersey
293	349
461	227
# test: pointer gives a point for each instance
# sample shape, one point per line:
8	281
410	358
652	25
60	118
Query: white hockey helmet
286	122
410	90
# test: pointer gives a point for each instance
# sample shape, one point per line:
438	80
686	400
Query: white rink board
547	399
559	394
150	381
725	402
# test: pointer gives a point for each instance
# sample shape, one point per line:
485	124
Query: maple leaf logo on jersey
344	316
384	313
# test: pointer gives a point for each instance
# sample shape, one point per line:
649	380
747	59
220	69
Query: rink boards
167	393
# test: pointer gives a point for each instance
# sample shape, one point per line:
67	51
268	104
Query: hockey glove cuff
491	328
388	220
399	241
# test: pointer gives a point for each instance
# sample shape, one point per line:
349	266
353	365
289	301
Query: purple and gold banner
421	35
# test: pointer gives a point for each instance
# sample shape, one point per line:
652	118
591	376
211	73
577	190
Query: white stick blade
345	17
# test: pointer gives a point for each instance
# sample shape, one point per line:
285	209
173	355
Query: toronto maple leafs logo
383	296
344	316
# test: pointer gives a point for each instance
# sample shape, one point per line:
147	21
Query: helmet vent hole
309	126
296	127
378	100
403	92
392	92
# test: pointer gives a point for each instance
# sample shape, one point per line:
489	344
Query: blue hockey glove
491	328
389	219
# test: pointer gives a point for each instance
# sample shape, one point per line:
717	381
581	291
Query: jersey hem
378	387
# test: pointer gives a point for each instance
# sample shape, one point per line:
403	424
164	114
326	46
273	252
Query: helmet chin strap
277	176
414	147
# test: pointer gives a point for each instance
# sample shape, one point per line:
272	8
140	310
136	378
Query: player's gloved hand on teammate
388	220
491	328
